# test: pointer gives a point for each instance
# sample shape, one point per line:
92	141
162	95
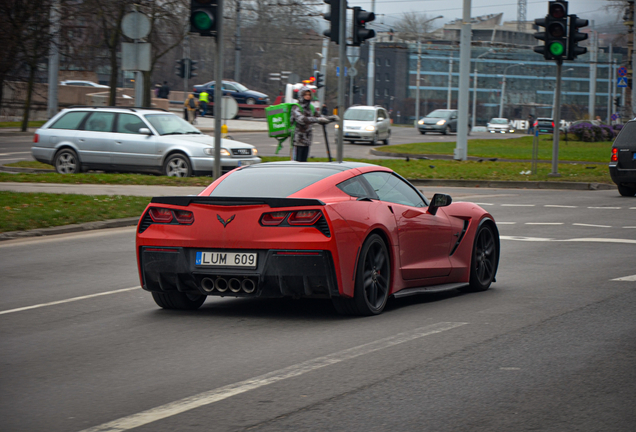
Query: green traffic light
202	21
556	49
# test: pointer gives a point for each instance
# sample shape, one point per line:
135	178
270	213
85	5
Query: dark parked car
238	91
622	165
442	120
545	125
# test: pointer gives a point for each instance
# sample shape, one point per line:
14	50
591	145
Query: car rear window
273	182
625	139
70	120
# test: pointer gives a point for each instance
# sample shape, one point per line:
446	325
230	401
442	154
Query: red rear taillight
304	217
273	219
161	215
184	217
552	124
36	138
614	155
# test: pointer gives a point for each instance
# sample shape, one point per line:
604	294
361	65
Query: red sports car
352	232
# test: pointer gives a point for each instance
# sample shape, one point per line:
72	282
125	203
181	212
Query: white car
500	125
81	83
367	123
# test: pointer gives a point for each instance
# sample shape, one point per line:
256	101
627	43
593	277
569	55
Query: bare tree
414	25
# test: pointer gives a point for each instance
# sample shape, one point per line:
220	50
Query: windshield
360	115
499	121
240	87
170	124
438	114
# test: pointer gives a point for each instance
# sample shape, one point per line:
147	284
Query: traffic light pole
218	91
557	122
342	54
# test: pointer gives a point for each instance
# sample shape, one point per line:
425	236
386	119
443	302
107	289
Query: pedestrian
164	91
157	90
203	102
324	110
191	106
530	124
304	117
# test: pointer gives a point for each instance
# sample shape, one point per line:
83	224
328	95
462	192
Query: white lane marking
14	153
631	278
630	227
221	393
506	223
591	240
606	208
632	208
544	223
67	300
517	205
591	225
560	206
483	204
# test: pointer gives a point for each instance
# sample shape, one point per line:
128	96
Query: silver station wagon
132	140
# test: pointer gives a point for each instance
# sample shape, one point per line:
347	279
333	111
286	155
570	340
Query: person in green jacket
203	102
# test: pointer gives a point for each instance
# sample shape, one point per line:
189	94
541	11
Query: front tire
177	165
250	101
386	141
626	191
423	132
178	300
373	280
447	130
484	260
67	162
374	141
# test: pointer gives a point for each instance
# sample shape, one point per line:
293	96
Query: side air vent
460	238
145	223
323	227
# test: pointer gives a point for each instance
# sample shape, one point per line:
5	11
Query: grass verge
17	124
25	211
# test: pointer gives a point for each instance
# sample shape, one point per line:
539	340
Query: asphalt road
549	347
16	147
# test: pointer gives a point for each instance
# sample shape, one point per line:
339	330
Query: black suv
622	165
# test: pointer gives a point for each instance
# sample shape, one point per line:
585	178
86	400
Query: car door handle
117	142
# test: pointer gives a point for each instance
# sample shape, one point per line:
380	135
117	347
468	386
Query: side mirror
439	200
145	131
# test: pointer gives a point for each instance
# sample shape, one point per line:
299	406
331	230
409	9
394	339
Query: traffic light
180	68
333	16
356	89
617	101
555	36
575	36
319	79
192	68
203	17
360	19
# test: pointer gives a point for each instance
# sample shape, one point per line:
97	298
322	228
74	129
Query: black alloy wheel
485	259
178	300
373	280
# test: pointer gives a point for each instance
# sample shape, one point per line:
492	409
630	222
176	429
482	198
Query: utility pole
323	69
631	114
237	47
218	91
342	54
417	82
461	149
371	68
54	61
450	81
593	57
610	87
557	122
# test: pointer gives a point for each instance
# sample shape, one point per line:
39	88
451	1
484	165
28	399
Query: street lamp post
503	88
417	79
475	85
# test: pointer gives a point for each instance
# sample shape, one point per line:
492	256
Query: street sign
353	71
135	56
338	71
621	71
615	116
135	25
622	82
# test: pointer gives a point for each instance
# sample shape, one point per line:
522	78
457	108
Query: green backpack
279	122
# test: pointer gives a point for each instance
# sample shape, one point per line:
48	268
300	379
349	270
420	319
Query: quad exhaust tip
235	285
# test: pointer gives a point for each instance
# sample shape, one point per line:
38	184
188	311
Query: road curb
66	229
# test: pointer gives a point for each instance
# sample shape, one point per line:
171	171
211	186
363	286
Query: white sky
387	11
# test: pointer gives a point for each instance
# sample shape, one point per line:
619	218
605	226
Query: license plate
348	134
226	259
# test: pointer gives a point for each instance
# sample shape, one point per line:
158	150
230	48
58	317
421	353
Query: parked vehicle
132	140
238	91
622	165
500	125
544	125
350	232
442	120
366	123
82	83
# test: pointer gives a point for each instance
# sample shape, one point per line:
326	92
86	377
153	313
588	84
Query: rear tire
423	132
178	300
484	260
373	280
626	191
67	162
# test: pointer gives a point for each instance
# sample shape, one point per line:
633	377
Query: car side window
355	187
128	123
391	188
229	87
381	115
70	120
100	122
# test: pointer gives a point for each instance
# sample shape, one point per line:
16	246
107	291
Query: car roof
369	107
118	109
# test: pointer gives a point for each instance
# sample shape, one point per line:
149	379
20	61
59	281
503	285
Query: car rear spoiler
236	201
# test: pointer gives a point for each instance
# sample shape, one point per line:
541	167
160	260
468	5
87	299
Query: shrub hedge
592	133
